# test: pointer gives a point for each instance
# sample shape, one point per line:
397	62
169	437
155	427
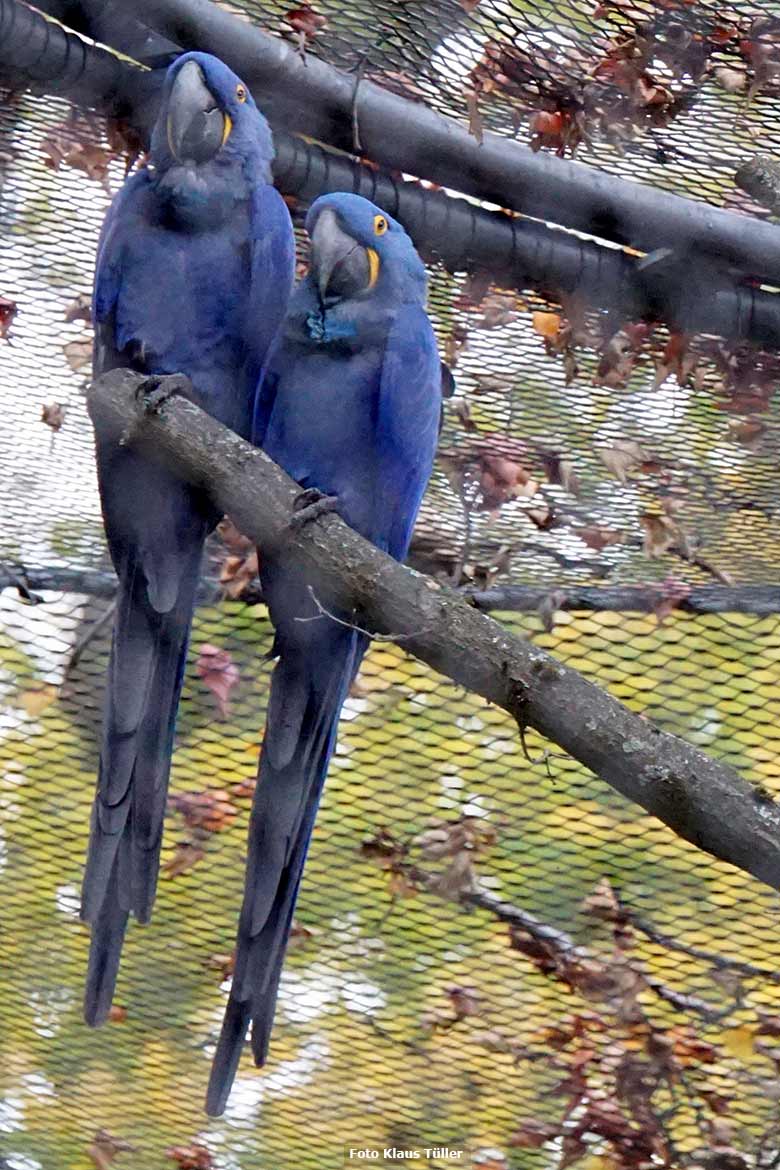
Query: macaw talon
309	505
154	391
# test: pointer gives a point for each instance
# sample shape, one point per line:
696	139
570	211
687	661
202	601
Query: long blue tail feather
309	686
145	676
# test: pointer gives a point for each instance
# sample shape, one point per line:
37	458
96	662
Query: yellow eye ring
380	225
241	93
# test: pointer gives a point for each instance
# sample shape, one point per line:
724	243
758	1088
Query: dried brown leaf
192	1157
598	536
624	456
211	810
560	470
37	698
602	902
306	21
547	325
78	353
73	145
186	856
238	574
476	123
219	673
300	934
465	1001
8	310
79	309
659	534
233	539
105	1149
498	308
225	965
53	415
768	1025
383	848
457	878
689	1049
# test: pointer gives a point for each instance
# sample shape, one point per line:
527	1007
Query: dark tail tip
227	1056
261	1035
105	950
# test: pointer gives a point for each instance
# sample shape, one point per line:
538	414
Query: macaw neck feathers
353	324
324	331
203	197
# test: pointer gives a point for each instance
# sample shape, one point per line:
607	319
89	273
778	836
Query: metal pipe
314	98
518	252
759	600
110	23
522	253
39	54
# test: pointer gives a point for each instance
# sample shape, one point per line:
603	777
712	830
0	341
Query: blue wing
108	271
372	443
206	305
407	427
273	267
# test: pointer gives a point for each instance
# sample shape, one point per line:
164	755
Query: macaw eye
380	225
241	93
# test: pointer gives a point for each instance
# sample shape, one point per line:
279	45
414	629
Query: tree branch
700	799
716	960
556	953
89	582
760	600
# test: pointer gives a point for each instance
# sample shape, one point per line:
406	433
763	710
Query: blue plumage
349	404
194	269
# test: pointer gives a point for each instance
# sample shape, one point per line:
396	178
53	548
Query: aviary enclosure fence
493	952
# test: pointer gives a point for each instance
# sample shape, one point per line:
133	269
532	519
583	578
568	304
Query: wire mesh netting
680	121
493	951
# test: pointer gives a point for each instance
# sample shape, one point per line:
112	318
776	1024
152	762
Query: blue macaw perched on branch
349	405
194	269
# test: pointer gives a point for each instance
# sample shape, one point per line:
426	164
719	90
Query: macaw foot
158	388
310	504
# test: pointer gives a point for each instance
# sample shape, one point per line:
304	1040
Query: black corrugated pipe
111	22
526	254
518	252
39	54
316	99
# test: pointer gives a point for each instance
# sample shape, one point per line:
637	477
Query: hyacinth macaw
349	405
195	266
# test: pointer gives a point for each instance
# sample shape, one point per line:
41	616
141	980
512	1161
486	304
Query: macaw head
358	251
208	114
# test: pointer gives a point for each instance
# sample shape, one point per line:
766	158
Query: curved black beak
197	127
341	266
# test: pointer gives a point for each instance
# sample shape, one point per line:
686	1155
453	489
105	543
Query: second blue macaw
349	406
194	270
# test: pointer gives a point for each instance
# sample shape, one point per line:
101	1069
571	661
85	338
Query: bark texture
699	798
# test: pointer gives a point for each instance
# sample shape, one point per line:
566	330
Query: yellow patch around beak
373	267
228	128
